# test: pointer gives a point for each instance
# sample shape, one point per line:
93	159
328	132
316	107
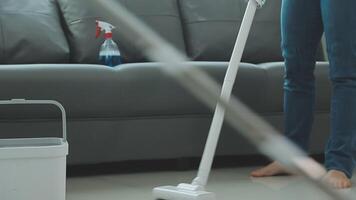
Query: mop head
182	192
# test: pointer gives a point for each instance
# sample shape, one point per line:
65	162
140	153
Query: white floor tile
228	184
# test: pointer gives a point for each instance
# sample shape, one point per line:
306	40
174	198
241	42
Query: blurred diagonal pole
240	117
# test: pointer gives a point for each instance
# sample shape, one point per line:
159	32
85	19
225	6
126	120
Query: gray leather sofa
135	111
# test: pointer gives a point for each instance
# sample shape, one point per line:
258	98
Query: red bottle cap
108	35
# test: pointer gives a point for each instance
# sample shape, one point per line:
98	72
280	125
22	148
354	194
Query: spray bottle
109	52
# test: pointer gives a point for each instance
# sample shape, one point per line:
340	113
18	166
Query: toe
257	173
347	184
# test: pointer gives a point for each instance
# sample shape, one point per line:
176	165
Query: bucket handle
42	102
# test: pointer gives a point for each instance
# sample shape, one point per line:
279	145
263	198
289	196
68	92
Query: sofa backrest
211	28
205	30
80	15
31	32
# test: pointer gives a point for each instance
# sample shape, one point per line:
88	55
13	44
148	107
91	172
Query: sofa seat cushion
31	32
131	90
80	15
140	89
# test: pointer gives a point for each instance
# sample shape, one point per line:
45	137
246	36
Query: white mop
265	137
196	190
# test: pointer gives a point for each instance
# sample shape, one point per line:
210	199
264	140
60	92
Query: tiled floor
228	184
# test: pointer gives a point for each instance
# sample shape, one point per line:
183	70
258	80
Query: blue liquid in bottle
110	60
110	54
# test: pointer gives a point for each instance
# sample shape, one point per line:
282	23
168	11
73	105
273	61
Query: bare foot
337	179
273	169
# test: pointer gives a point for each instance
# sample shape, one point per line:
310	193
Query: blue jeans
303	22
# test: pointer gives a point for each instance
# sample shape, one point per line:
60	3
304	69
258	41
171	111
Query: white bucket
34	168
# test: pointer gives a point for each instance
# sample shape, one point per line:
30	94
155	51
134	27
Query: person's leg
301	33
339	19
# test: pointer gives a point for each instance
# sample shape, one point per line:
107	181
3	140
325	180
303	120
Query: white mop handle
230	77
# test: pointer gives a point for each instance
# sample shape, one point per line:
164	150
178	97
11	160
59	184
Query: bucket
34	168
